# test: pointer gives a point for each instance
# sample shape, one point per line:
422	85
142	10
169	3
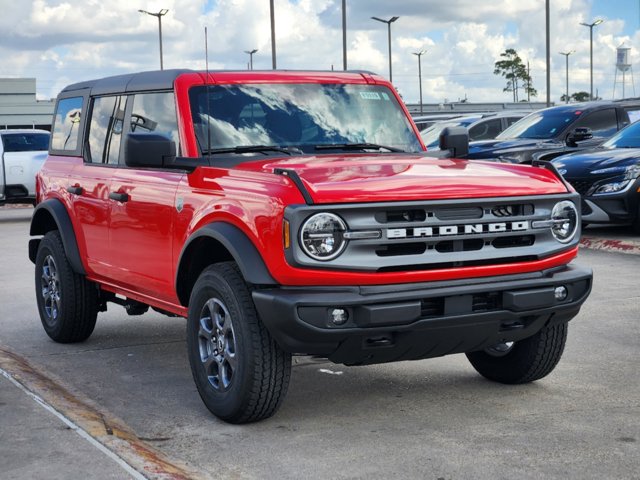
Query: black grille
485	302
432	307
581	186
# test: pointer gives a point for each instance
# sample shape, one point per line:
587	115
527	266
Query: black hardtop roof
155	80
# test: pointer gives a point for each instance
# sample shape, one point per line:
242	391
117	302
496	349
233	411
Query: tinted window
541	125
627	138
300	115
105	130
602	123
155	112
485	130
511	120
25	142
66	124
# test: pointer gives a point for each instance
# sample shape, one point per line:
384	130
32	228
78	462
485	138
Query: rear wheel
524	361
67	302
242	375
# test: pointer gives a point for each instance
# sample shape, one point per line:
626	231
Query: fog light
339	316
561	293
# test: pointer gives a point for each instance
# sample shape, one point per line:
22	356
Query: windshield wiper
356	146
253	148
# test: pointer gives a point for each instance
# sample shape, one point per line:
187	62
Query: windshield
431	135
627	138
303	116
25	142
541	125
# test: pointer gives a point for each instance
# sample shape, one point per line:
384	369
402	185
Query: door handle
75	190
119	197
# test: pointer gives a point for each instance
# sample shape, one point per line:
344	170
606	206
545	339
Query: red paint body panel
133	248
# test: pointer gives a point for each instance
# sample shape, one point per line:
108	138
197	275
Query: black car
607	178
554	131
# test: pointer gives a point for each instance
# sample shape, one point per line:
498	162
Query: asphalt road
432	419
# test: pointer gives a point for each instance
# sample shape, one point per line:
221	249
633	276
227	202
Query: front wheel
242	375
524	361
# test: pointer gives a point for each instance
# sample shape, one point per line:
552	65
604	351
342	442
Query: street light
388	22
419	55
251	52
160	14
566	55
591	25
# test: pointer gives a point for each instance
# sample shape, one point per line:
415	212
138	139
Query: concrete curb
611	245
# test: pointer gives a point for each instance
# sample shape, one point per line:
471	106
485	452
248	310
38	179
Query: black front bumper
621	207
420	320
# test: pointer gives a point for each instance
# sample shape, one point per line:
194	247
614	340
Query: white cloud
64	41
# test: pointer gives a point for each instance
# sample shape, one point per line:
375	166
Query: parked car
22	153
608	178
554	131
290	213
425	121
480	127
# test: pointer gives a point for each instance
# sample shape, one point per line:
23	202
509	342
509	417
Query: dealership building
19	107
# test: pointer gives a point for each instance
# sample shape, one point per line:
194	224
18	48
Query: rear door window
105	130
603	123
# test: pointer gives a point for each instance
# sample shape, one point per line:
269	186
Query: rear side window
105	129
155	112
25	142
603	123
66	125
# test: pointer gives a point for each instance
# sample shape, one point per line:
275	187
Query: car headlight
322	236
564	221
627	175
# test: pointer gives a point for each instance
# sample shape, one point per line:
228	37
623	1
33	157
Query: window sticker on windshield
370	95
385	96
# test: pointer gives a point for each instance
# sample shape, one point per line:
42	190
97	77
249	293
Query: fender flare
40	225
241	248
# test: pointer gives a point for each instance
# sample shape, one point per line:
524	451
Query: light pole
273	35
344	34
388	22
160	14
419	55
591	25
566	55
251	52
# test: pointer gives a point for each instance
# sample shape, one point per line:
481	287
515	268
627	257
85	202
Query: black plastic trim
298	318
242	250
295	178
58	212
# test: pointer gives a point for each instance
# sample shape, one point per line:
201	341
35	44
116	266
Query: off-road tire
241	373
528	360
67	301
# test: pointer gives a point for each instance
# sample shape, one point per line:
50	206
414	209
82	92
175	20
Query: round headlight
322	236
564	217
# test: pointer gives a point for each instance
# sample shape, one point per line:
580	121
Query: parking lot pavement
427	419
36	443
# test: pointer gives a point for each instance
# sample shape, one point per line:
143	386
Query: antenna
206	62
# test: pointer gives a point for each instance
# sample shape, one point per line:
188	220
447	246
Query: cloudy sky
64	41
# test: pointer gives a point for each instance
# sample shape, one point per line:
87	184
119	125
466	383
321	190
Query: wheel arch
52	215
218	242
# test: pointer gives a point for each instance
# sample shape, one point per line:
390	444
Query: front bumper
421	320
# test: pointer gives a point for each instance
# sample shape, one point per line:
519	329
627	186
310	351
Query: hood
583	163
512	148
409	177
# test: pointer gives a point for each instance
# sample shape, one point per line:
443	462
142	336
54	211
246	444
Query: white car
22	153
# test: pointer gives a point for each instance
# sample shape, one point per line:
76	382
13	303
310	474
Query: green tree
515	72
580	96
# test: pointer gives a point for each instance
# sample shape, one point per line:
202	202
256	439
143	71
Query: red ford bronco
297	213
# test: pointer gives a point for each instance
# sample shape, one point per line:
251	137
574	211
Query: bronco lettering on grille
442	230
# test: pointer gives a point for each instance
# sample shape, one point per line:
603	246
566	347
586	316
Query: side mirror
578	135
455	139
149	150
